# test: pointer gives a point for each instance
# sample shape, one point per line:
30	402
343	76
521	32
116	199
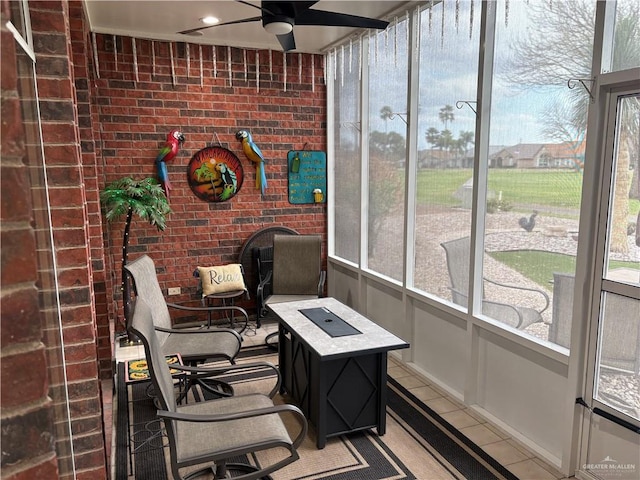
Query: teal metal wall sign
307	176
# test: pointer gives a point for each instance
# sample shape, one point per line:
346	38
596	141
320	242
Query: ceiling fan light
278	28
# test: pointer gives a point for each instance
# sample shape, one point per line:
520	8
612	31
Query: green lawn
553	188
539	266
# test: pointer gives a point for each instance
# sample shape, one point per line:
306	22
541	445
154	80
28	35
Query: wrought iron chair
195	345
225	295
520	317
213	432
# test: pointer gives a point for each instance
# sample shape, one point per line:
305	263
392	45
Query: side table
137	371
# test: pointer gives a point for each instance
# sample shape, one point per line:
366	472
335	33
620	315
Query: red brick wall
26	410
81	51
136	115
70	197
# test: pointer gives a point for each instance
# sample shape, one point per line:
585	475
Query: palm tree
446	115
432	136
144	198
385	114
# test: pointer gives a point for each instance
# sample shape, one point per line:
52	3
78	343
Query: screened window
626	37
448	77
388	87
532	130
538	121
347	126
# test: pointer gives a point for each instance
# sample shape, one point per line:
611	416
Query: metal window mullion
411	170
331	163
481	154
364	156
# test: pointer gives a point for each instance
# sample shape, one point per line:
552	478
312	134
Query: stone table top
373	337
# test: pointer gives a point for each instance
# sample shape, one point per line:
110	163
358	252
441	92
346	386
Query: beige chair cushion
221	279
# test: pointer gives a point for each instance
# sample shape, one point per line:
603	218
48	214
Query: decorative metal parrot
254	154
175	139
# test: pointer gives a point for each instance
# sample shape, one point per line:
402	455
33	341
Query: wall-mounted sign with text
307	176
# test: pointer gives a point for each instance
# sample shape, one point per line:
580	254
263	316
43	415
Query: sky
448	75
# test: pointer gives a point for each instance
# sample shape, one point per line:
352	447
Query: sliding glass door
613	387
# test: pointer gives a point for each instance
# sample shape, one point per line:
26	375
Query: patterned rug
418	444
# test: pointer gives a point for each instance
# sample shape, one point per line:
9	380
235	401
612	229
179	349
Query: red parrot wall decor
174	141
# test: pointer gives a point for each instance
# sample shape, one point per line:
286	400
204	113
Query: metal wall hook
462	103
399	115
572	82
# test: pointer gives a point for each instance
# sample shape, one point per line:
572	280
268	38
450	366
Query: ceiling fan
278	18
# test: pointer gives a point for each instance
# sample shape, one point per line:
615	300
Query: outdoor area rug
418	444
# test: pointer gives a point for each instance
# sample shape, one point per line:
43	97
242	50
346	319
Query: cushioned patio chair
195	345
210	433
520	317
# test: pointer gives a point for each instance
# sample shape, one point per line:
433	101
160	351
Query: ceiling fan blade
287	41
300	7
332	19
262	7
204	27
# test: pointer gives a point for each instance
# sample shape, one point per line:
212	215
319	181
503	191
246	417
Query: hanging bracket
572	82
462	103
399	115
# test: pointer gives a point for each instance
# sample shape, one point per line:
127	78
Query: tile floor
497	443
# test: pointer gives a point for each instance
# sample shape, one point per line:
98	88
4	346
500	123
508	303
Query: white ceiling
161	19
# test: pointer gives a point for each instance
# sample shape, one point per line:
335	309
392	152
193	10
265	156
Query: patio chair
296	272
262	239
520	317
292	270
221	285
212	432
195	345
620	345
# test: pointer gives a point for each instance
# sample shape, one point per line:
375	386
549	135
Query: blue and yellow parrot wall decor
253	153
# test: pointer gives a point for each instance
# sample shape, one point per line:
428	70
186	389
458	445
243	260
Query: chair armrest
321	281
225	417
207	372
502	312
208	309
518	287
263	283
201	331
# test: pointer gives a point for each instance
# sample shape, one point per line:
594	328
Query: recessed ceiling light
210	20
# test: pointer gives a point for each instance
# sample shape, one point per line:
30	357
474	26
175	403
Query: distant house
522	155
435	158
568	154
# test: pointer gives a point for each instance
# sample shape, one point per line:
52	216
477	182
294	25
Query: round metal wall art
215	174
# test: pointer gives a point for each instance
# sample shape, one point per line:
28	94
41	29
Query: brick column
26	410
